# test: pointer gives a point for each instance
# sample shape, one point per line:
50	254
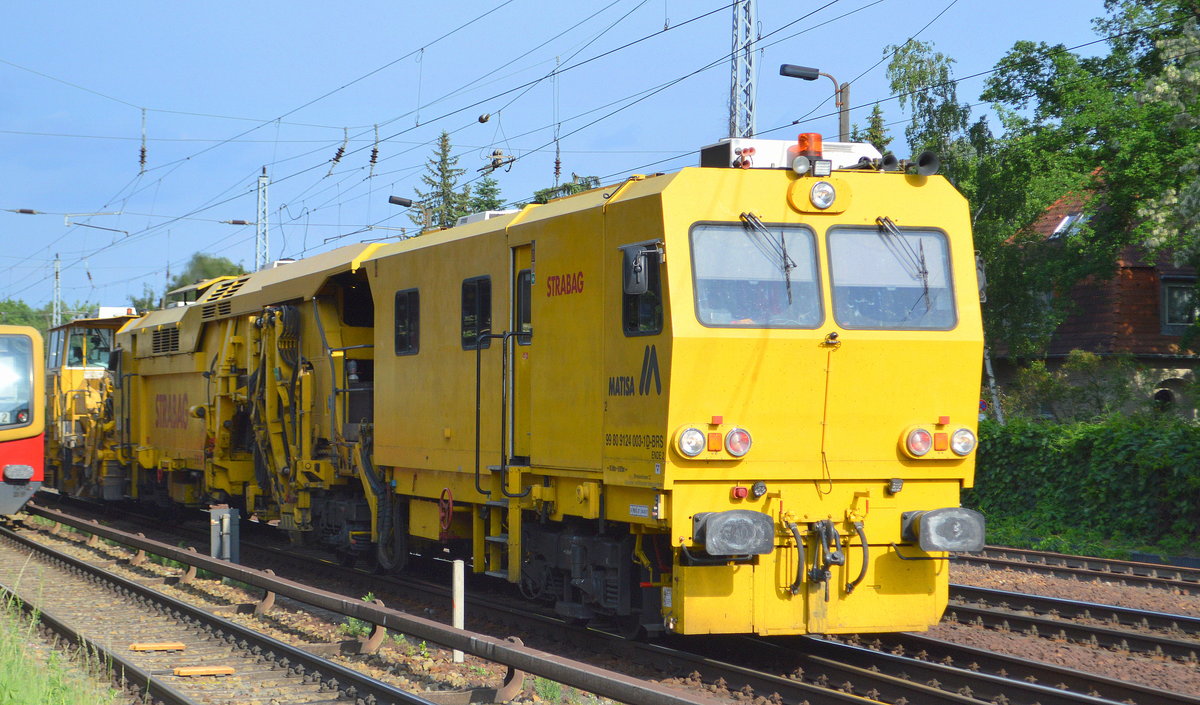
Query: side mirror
635	278
636	263
114	367
981	275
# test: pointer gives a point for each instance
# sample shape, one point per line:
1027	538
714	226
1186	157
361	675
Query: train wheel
631	627
391	556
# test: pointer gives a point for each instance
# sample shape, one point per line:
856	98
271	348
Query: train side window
642	313
476	312
54	358
408	322
524	322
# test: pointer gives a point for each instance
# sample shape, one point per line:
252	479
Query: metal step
497	503
498	538
497	574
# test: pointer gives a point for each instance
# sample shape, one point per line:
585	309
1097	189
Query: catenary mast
741	94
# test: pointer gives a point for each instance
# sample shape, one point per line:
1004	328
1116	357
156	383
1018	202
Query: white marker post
459	601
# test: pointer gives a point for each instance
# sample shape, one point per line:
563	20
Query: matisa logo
650	378
563	284
171	410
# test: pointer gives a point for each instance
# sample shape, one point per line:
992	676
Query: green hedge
1133	480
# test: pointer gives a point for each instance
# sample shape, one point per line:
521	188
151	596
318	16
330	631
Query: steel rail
986	687
1072	609
300	660
1004	620
563	670
928	648
1063	565
125	672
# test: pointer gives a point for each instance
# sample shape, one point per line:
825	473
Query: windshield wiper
913	260
774	251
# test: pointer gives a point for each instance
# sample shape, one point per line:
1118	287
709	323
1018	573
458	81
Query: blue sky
227	88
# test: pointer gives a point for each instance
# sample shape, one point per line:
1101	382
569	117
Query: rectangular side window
53	359
476	312
408	320
524	322
1178	305
642	314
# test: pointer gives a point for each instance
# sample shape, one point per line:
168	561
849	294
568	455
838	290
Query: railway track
1085	568
1152	633
925	648
797	669
168	650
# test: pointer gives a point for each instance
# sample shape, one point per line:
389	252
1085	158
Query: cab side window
642	314
476	312
524	322
408	322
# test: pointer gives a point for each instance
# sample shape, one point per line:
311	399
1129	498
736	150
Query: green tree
200	267
485	196
442	202
924	82
577	184
14	312
875	132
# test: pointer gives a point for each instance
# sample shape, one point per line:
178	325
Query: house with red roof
1142	311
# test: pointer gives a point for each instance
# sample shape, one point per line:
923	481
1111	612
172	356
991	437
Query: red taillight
737	442
22	417
919	441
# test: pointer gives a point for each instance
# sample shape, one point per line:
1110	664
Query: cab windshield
891	279
753	275
88	347
16	379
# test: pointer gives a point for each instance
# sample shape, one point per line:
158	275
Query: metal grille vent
221	308
226	289
214	303
165	341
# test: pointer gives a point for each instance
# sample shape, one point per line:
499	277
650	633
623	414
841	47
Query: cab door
520	352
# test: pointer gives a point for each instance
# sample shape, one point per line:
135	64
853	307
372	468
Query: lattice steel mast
262	240
741	93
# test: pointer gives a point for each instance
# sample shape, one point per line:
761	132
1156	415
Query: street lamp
426	219
841	94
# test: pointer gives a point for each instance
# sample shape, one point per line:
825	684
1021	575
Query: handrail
504	457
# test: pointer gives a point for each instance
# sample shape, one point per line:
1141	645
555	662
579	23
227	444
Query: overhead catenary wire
867	104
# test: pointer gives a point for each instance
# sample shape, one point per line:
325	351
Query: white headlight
691	442
963	441
822	194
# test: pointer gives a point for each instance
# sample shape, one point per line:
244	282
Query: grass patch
355	627
56	681
1041	533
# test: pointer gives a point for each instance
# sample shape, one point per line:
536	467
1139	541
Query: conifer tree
485	196
443	203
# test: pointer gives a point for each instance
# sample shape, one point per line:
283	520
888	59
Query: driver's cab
77	362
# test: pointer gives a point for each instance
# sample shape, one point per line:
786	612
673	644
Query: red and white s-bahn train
22	416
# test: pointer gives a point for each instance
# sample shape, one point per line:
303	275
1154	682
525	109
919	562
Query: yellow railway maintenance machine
737	398
79	441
